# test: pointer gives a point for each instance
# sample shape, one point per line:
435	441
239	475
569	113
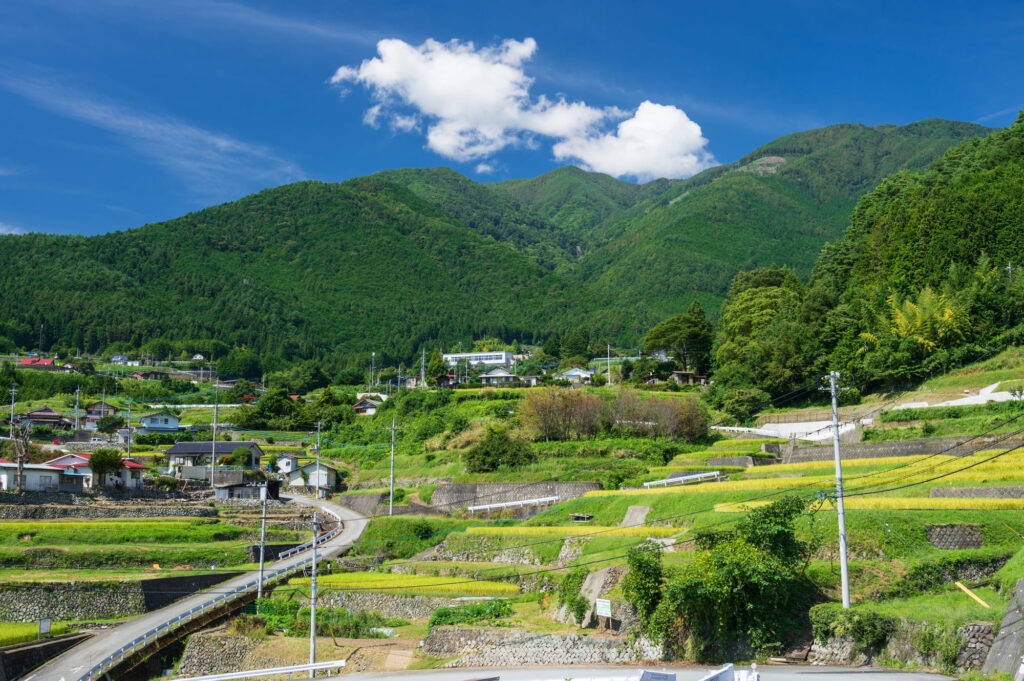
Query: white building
576	375
38	477
499	358
497	377
323	479
129	477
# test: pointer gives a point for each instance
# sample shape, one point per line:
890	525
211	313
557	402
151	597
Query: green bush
932	574
569	594
641	587
868	630
474	612
496	450
293	618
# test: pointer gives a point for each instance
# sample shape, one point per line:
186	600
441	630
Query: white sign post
44	628
603	610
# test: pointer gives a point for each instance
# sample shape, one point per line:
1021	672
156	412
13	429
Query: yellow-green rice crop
730	486
901	503
571	531
19	632
420	584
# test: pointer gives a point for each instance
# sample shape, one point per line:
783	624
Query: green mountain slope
488	212
778	205
304	270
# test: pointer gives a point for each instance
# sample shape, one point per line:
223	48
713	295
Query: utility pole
14	391
391	502
609	364
317	484
213	443
373	359
129	428
78	390
423	369
833	378
40	339
263	539
312	604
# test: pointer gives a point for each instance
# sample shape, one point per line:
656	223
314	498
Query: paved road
76	662
617	673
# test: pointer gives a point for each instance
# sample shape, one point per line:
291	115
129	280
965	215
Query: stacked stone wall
389	605
954	536
208	654
978	492
16	512
480	647
955	446
904	646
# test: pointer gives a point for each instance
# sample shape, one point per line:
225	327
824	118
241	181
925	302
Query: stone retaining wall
21	512
871	450
109	495
30	601
460	495
480	647
210	654
954	536
905	647
978	492
389	605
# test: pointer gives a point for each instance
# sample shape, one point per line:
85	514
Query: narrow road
76	662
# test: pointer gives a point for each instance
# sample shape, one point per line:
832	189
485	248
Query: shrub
569	594
868	630
475	612
641	587
497	449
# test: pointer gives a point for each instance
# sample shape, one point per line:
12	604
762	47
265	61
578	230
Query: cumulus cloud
10	229
476	102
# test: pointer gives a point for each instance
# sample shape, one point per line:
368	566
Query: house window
164	420
45	481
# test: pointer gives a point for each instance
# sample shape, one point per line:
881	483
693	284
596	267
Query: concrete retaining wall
871	450
461	495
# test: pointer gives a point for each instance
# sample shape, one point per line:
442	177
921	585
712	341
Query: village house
688	378
498	358
497	376
161	421
366	406
187	454
37	477
324	479
286	463
129	477
576	375
44	418
96	411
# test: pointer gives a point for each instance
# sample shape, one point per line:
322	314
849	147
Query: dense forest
925	279
412	259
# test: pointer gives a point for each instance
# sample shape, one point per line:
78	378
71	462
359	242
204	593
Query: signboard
44	628
603	607
647	675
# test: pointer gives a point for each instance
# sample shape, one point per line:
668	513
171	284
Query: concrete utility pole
317	483
423	369
213	444
609	364
14	391
263	539
77	391
129	428
833	378
312	605
391	502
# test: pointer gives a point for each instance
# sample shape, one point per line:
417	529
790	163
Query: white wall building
498	358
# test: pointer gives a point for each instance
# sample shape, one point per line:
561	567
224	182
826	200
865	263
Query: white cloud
657	141
484	168
211	164
10	229
477	102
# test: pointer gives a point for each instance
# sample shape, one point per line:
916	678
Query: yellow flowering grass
901	504
419	584
572	531
730	486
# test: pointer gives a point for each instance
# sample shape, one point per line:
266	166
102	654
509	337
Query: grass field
20	632
410	584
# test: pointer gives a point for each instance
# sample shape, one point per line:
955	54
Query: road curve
75	664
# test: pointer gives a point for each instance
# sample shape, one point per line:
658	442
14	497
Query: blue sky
116	113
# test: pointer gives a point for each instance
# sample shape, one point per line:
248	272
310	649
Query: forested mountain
926	279
778	205
407	258
303	270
